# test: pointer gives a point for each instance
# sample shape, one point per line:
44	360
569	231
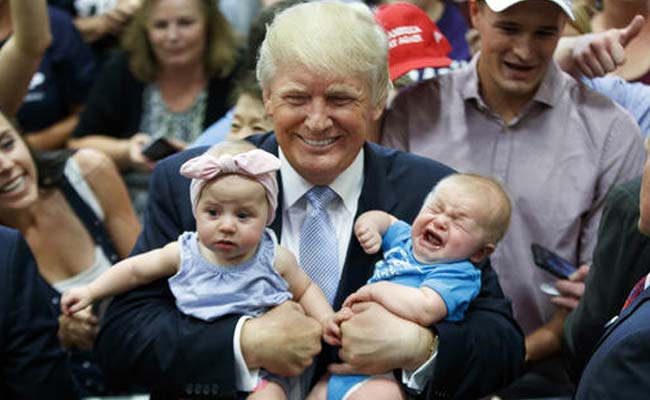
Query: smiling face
177	32
249	118
517	47
230	218
320	121
448	227
18	180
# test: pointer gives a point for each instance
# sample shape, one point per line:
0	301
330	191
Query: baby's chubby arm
127	274
422	305
370	227
305	292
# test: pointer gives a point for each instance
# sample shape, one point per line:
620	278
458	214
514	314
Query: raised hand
368	236
597	54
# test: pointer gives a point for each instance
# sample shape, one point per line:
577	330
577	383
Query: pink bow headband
257	164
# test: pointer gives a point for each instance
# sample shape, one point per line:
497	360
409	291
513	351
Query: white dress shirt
341	211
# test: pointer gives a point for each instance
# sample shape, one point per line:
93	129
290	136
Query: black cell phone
158	149
551	262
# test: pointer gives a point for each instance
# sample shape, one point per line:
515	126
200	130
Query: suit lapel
643	297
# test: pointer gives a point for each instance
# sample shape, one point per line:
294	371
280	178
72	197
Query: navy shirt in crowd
63	79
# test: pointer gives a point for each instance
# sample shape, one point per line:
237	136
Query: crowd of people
324	200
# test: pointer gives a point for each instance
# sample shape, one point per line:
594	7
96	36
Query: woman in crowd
75	214
172	81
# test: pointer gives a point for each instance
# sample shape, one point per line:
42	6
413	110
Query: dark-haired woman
76	216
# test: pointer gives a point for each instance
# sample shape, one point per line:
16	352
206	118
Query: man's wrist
247	345
245	378
428	345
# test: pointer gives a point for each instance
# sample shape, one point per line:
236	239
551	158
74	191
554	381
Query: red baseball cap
414	40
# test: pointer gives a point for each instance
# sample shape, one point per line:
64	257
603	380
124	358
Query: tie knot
321	196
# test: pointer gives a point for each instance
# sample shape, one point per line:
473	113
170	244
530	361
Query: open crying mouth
433	238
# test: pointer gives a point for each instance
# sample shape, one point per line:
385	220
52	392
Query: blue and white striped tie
319	252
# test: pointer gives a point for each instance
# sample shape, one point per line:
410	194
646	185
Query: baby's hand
331	326
331	331
368	236
75	300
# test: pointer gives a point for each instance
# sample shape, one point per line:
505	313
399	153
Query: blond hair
328	37
492	192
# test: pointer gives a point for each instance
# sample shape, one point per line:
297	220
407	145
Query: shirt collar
549	91
469	85
347	185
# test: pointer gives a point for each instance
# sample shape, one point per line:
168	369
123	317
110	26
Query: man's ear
474	9
266	99
482	253
377	112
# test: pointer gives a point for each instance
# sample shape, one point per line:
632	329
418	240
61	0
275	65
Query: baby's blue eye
213	213
242	215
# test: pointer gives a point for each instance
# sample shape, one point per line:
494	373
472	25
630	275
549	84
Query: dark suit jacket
32	363
621	258
145	338
620	366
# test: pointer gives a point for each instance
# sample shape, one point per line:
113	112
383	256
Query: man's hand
375	341
78	330
283	341
597	54
572	289
363	294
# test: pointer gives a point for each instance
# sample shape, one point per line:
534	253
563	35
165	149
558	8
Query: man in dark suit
620	364
32	363
323	95
621	257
